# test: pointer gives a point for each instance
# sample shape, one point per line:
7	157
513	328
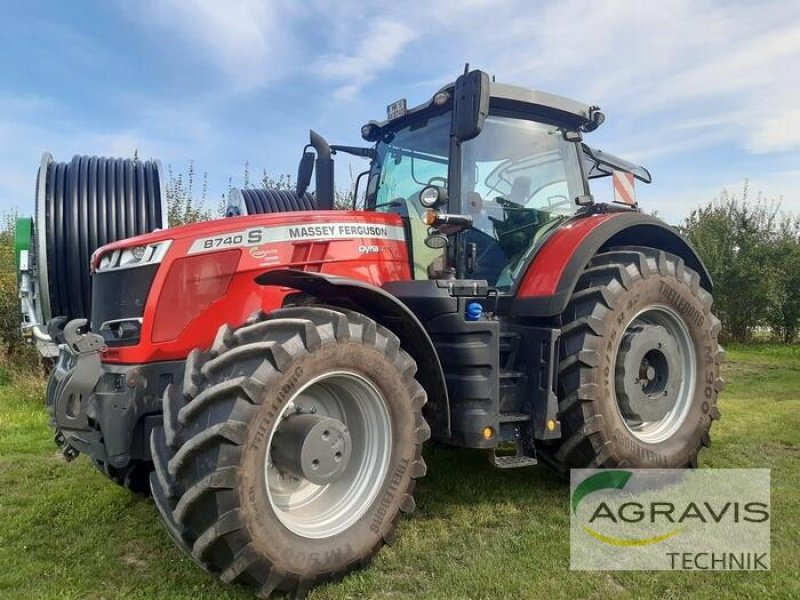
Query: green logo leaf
606	480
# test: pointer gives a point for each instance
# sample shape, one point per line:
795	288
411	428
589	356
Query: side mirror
470	104
304	171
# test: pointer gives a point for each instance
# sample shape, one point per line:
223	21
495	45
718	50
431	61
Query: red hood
219	226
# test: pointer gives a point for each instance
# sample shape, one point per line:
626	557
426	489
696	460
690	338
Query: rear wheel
292	449
639	365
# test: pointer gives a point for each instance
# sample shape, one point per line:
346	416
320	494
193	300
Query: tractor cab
482	172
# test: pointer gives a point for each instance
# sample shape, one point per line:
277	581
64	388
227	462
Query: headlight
432	196
134	256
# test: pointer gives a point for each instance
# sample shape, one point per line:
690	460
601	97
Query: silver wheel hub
313	447
655	374
646	375
328	454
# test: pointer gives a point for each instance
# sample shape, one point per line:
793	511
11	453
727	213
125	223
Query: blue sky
704	93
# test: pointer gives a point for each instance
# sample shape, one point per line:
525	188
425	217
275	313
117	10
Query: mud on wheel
292	449
639	365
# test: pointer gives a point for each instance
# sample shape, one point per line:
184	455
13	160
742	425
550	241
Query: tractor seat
263	201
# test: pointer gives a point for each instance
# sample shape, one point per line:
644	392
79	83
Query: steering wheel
509	204
562	201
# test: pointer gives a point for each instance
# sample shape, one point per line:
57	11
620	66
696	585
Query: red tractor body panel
363	246
548	266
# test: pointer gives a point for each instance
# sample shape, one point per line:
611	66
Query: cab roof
512	98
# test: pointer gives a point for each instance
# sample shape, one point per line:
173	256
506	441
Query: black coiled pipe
82	205
263	201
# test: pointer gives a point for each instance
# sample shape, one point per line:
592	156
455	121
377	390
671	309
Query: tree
784	314
182	207
752	252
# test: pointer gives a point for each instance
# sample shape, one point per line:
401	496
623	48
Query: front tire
639	365
292	449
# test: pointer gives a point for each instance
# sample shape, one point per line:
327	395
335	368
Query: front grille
118	300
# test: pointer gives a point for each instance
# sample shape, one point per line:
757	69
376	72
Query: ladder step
505	374
513	462
514	417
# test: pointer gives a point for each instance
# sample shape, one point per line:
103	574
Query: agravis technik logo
670	519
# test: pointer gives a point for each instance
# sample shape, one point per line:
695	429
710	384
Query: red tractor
272	377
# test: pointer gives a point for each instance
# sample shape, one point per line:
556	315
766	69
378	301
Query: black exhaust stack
324	172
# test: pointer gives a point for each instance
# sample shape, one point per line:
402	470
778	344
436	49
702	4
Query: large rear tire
639	365
292	449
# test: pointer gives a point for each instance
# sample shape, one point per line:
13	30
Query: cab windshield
520	179
406	161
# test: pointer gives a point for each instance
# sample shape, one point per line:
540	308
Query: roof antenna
466	68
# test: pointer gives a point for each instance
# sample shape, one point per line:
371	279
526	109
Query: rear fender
550	278
390	312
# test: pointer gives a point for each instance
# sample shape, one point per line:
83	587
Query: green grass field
65	532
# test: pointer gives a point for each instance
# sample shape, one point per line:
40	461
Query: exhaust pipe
324	172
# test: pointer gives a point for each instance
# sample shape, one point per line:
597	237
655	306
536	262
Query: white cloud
374	52
31	125
709	61
688	77
250	41
688	58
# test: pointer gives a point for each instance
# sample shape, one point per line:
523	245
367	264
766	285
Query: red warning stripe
624	191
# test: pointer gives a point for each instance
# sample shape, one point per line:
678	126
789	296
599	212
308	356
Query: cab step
515	461
512	417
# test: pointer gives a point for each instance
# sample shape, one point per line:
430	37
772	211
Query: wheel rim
655	374
359	414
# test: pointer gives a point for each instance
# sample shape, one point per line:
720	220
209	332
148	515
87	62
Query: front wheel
639	365
292	449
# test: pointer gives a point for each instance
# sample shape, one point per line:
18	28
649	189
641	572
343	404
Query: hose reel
262	201
82	205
